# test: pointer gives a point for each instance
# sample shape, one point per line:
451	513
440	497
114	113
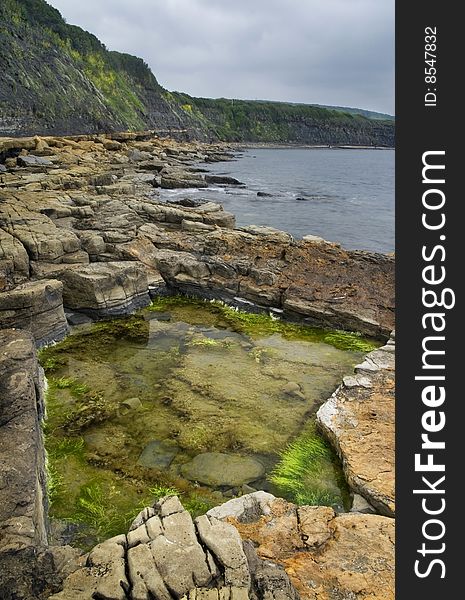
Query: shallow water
132	402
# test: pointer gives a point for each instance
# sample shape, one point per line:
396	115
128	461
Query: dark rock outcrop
29	569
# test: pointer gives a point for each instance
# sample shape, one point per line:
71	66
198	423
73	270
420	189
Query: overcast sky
336	52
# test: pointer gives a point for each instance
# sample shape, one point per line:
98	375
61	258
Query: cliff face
56	78
252	121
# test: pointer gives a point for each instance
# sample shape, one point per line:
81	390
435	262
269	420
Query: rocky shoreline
81	217
84	236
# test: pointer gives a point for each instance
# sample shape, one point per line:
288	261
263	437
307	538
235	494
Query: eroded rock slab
105	289
359	420
165	555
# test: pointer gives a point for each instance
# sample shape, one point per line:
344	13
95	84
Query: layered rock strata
90	217
36	306
359	420
84	229
28	568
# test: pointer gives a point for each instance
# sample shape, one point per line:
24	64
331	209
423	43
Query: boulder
222	179
111	145
217	469
105	289
37	307
247	508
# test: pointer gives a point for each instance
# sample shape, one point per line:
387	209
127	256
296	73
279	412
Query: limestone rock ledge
37	307
359	420
95	207
260	548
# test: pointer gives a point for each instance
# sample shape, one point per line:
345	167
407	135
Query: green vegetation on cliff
279	122
57	78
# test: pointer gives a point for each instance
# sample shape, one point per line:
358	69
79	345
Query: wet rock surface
95	223
359	420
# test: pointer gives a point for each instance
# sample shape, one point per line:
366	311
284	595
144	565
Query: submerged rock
217	469
158	454
294	390
131	404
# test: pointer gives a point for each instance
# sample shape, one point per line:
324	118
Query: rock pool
193	398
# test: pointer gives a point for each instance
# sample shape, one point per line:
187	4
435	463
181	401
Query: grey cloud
338	52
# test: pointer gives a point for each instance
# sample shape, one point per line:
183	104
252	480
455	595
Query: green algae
259	324
96	339
68	383
198	374
308	472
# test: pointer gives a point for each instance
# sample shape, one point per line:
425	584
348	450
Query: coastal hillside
56	78
279	122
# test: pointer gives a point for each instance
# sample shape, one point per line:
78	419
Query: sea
341	195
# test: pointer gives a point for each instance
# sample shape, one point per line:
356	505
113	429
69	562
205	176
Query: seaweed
264	324
305	471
